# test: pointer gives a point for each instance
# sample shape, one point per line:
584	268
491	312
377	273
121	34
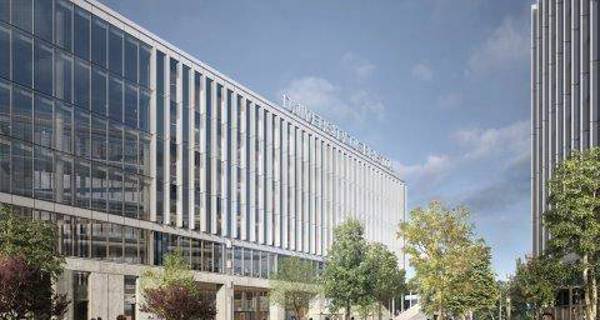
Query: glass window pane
144	106
131	100
115	58
115	144
145	54
43	174
22	11
116	99
63	70
82	183
4	52
160	73
130	196
22	110
4	108
99	239
65	178
4	165
43	68
131	59
22	56
63	19
5	10
98	139
115	243
144	154
63	126
82	133
22	162
43	121
207	254
247	262
144	201
82	33
99	187
115	193
99	91
160	116
82	84
130	236
130	153
43	19
99	38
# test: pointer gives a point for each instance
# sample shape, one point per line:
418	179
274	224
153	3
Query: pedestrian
121	317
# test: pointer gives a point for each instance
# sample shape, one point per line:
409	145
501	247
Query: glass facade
94	118
60	140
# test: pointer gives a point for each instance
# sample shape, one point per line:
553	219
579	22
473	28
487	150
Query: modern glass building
565	114
133	149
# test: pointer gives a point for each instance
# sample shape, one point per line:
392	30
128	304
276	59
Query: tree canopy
173	294
28	265
453	273
294	285
347	280
573	218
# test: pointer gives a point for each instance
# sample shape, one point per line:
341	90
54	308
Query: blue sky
440	86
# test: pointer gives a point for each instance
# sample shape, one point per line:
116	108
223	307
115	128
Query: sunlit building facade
564	92
134	149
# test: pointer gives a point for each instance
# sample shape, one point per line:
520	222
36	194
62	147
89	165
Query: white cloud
334	102
434	168
359	66
422	72
480	143
507	146
507	44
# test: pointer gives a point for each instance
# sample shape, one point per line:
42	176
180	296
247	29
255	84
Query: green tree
173	294
453	272
347	280
389	278
294	285
29	263
475	288
573	218
35	240
533	286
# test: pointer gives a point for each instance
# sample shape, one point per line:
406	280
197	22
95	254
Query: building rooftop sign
333	130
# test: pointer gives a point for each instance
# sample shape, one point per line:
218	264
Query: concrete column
243	168
139	297
305	193
215	103
106	295
224	163
64	285
225	302
276	312
284	184
252	172
311	195
292	186
268	129
179	143
233	188
203	156
277	181
260	173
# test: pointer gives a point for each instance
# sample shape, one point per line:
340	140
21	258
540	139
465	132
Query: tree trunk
593	296
347	313
591	292
441	314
